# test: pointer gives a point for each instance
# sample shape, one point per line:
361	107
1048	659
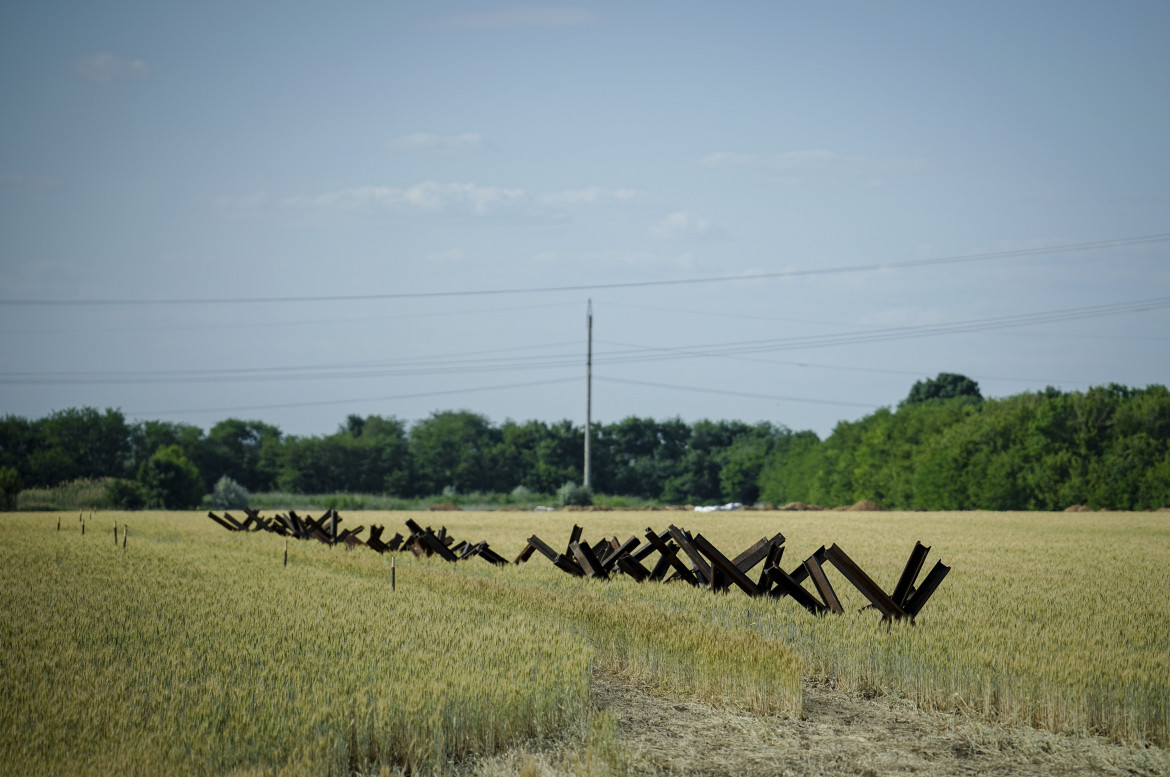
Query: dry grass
194	651
1055	620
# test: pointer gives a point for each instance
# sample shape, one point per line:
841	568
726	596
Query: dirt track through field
848	734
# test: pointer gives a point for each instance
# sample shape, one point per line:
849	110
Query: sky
776	211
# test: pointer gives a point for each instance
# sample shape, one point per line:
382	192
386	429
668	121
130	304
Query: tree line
943	447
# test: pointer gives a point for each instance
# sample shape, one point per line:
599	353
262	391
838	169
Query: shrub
227	494
125	495
9	487
170	480
574	494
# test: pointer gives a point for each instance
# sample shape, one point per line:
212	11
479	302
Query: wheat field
193	650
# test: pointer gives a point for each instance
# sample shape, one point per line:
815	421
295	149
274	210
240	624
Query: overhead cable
909	264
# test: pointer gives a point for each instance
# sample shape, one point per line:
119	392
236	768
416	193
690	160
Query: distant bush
80	494
573	494
170	480
9	487
125	495
227	494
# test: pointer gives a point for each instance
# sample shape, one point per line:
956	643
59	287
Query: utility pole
588	393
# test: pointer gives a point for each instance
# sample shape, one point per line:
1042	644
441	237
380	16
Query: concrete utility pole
588	392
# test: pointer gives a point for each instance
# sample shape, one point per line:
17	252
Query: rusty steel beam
929	585
786	586
775	553
724	565
633	568
574	536
670	554
588	560
702	568
663	566
611	558
546	551
828	595
525	554
221	522
862	582
909	574
641	553
567	564
435	545
751	555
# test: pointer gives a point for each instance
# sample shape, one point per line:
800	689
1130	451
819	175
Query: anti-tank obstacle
710	568
422	541
664	557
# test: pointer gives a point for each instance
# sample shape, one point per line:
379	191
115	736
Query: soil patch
841	733
837	734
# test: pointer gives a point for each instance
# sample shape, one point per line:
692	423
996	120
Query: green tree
10	486
947	385
79	443
790	467
170	480
236	448
124	494
453	449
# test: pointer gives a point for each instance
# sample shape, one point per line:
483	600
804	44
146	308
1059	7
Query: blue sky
206	210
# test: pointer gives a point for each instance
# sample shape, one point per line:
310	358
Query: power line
315	322
781	319
728	392
904	332
914	263
447	365
317	403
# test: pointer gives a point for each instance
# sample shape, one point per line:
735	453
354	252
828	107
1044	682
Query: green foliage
125	495
10	485
80	494
170	481
944	447
1106	447
947	385
573	494
227	494
453	449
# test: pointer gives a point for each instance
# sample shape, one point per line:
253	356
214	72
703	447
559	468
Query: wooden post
83	528
115	534
58	523
286	551
125	534
392	559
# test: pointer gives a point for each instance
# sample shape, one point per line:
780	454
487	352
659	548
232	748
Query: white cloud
428	196
443	144
592	195
106	67
522	16
682	225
